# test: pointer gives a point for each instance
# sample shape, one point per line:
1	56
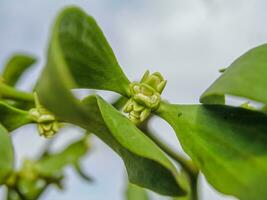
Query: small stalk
186	164
8	92
194	187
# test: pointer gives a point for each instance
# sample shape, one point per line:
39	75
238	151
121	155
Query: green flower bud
48	126
145	96
155	80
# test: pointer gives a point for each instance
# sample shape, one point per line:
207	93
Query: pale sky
186	40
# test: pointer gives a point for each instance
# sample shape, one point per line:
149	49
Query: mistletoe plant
227	144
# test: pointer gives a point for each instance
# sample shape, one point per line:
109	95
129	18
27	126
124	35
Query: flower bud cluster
48	126
145	96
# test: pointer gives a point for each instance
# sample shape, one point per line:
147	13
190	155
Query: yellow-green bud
145	96
48	126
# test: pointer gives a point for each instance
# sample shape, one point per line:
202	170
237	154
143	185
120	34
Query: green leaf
15	67
145	163
12	117
80	55
6	154
245	77
228	144
135	192
53	164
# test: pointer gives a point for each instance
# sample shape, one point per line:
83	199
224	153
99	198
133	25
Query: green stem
120	102
9	92
186	164
81	173
41	191
21	196
36	100
46	148
194	187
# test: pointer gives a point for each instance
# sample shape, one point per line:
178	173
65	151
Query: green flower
145	96
48	126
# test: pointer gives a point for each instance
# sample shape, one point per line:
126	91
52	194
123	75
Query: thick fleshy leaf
245	77
12	117
79	49
53	164
6	154
15	67
135	192
228	144
146	165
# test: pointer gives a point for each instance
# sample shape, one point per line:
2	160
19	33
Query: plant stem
186	164
194	187
41	191
21	196
9	92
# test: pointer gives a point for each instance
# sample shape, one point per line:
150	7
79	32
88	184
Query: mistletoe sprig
227	144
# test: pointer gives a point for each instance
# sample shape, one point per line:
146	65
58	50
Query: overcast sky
186	40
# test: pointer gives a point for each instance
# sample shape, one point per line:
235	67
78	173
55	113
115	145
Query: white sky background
186	40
